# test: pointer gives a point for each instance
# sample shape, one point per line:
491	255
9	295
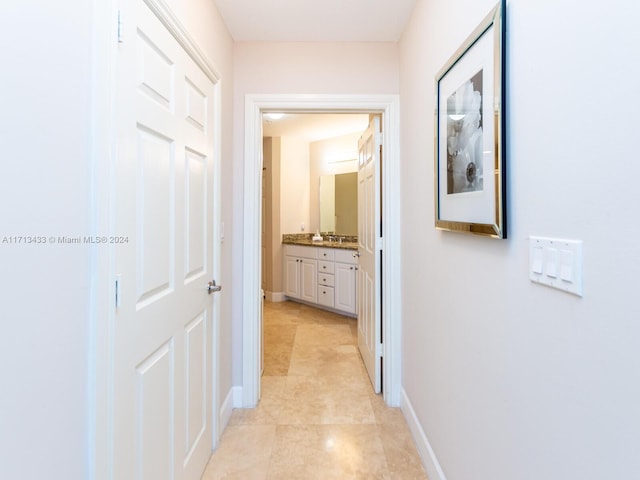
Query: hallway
318	417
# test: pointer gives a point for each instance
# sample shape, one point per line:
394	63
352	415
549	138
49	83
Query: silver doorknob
212	287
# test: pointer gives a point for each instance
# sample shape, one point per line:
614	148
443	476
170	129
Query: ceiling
315	126
315	21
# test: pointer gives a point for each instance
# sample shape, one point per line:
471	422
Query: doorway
256	105
310	163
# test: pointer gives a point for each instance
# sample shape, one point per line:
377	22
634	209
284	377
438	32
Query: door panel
369	325
155	405
163	204
345	278
155	206
196	106
308	280
292	277
155	70
196	210
196	380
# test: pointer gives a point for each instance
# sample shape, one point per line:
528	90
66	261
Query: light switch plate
556	263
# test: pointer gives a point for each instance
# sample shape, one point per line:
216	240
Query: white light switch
551	262
536	263
566	265
556	263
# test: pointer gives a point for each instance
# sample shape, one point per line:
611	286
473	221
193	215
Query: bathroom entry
321	173
299	150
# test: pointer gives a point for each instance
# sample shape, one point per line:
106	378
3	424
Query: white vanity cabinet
345	273
322	276
300	271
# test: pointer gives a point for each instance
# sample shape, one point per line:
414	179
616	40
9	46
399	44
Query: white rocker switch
566	265
551	267
536	264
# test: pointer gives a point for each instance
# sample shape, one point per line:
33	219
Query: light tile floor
318	417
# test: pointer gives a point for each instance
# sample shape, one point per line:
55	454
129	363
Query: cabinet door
308	280
345	289
292	277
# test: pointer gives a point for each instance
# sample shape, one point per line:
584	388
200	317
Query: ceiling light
274	116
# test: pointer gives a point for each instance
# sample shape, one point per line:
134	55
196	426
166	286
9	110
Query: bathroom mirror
339	203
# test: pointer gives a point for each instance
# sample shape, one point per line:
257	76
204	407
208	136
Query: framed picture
470	183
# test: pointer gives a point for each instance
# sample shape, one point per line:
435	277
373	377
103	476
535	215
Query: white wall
44	190
294	185
511	380
290	68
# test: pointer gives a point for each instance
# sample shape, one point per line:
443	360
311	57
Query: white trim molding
101	286
389	107
428	456
182	36
232	400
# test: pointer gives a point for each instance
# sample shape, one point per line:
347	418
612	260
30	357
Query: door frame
101	284
389	107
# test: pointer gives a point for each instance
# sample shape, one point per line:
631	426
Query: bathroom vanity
324	276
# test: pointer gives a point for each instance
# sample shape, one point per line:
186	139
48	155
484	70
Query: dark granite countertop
324	244
349	243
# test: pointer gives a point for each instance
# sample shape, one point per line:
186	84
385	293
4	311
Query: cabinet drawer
326	254
345	256
325	267
326	296
300	251
326	279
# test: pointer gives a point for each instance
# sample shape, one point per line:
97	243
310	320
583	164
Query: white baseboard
428	456
231	401
237	397
274	296
226	409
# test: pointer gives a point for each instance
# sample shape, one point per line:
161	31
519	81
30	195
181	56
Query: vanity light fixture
343	160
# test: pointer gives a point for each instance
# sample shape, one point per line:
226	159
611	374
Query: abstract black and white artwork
464	137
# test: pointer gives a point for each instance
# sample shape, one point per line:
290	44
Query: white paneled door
369	235
164	213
